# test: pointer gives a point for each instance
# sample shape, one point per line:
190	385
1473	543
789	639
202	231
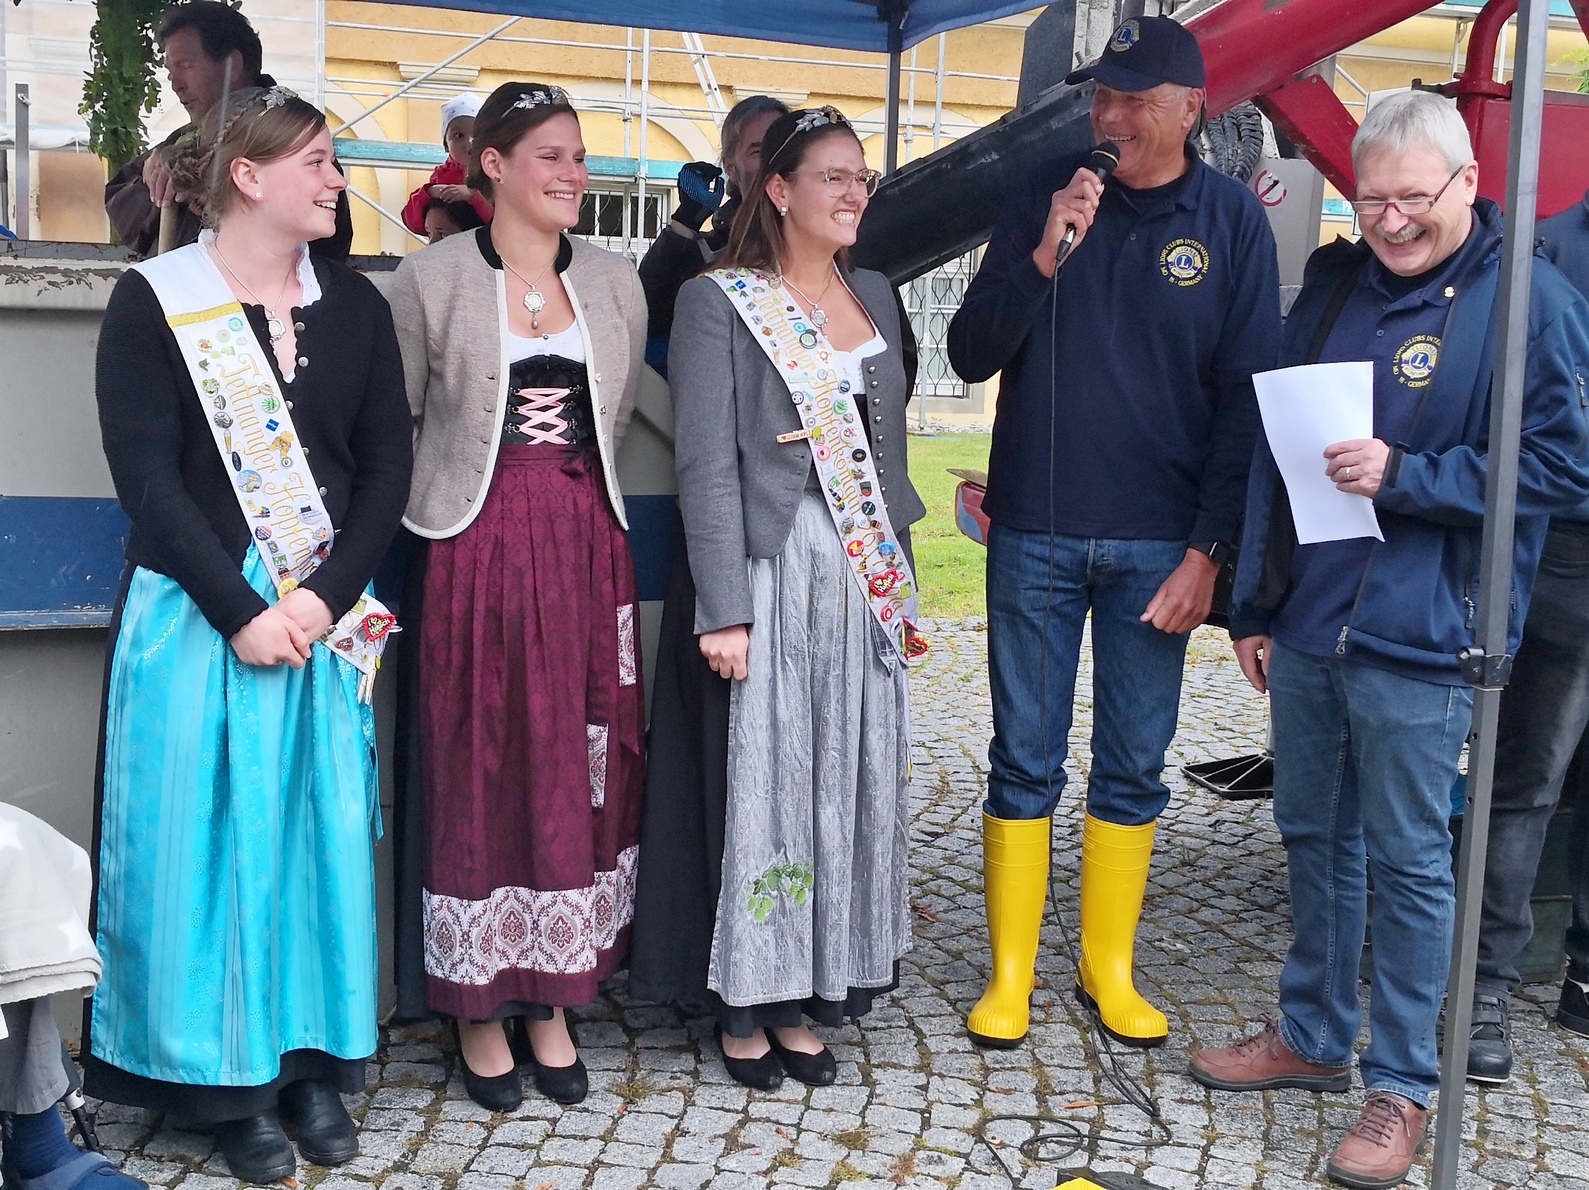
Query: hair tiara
809	120
541	97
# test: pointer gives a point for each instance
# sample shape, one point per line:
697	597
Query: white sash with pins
259	447
833	417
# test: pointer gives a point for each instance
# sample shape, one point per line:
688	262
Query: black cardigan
352	417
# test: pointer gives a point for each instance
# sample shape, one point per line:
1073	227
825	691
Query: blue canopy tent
880	26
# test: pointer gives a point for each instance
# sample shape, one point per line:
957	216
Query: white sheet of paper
1306	409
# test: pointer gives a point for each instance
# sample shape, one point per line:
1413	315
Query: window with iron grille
931	301
611	218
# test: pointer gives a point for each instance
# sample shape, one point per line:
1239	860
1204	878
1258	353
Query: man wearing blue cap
1124	431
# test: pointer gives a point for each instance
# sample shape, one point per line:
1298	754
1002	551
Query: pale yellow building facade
637	103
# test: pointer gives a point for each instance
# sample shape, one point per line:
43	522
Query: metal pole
440	66
910	112
23	224
628	87
937	99
645	128
891	121
383	212
1489	664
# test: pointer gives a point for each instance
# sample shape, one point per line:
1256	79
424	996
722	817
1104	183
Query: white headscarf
466	104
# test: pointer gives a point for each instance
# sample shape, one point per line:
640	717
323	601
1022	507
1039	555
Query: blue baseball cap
1144	52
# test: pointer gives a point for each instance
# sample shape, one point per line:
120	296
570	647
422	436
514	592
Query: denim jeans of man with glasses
1364	761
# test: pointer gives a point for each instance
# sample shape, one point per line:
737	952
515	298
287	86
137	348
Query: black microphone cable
1070	1136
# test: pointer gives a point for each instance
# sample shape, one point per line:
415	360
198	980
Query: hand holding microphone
1073	208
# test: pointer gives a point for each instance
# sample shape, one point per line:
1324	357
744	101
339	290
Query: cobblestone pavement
912	1090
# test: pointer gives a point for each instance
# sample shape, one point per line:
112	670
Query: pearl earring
782	211
259	194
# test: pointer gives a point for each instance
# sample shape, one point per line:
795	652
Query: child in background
443	219
447	179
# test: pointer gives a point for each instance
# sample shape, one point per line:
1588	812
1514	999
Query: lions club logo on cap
1184	262
1415	360
1125	37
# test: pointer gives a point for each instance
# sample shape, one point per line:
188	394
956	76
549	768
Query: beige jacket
449	304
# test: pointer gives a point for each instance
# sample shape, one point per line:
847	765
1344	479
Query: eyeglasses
839	181
1418	204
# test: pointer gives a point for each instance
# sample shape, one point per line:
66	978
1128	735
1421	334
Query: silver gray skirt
815	873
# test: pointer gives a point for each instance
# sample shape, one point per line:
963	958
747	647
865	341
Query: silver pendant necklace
275	328
819	317
534	299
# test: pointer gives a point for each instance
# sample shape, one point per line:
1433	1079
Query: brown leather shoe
1264	1062
1378	1151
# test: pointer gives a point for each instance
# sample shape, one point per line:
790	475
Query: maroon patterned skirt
533	713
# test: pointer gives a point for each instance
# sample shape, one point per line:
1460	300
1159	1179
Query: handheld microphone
1103	161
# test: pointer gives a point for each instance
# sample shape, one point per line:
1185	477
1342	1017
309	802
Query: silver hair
1412	119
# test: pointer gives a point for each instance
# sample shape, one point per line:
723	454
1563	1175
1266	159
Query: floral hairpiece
816	117
541	96
810	120
277	96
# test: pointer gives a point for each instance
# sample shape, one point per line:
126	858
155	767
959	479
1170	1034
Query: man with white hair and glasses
1357	641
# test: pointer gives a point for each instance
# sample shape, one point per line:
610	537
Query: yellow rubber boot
1114	875
1014	887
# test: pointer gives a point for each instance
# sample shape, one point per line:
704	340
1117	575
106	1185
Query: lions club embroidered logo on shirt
1415	360
1184	262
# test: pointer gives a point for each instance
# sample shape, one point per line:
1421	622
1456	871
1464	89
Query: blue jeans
1364	761
1136	671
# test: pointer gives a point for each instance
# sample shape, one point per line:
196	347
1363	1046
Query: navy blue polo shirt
1164	311
1397	324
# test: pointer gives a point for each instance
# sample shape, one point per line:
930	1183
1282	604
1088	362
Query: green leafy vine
792	880
121	84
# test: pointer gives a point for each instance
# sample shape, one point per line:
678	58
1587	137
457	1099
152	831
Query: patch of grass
904	1169
853	1138
949	565
785	1159
845	1172
635	1088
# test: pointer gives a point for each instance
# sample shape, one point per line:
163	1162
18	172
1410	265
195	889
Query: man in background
202	40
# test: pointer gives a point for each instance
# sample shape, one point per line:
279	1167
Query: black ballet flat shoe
759	1074
561	1084
814	1070
326	1134
501	1092
256	1148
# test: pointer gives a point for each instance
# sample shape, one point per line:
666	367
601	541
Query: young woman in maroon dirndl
522	349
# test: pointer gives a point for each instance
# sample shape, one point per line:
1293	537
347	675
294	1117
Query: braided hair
258	123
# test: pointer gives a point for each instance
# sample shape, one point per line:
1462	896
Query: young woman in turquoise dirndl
251	403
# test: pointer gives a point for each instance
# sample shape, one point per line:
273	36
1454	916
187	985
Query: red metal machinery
1263	50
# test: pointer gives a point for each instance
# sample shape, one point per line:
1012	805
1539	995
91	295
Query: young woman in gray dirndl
789	396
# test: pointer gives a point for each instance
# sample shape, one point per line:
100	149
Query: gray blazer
449	304
739	486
